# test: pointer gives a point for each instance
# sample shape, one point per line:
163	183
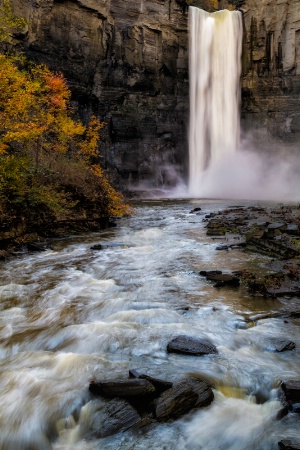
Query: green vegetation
49	167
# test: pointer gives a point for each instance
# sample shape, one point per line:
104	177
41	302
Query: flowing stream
215	68
72	314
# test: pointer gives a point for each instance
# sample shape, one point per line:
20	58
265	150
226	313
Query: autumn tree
49	164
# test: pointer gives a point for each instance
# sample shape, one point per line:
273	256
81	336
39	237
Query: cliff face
271	69
127	60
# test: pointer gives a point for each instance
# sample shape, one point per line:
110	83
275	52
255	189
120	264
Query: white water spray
215	68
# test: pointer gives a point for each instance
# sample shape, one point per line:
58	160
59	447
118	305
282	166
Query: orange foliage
56	150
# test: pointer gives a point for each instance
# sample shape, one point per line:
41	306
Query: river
71	314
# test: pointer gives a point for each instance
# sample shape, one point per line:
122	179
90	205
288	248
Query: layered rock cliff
127	60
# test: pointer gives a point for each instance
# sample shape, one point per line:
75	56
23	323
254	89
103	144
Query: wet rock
133	373
281	345
295	408
181	398
191	346
122	388
272	248
292	229
224	279
160	385
203	390
207	273
216	232
291	389
175	402
222	247
105	246
287	444
118	415
195	210
37	247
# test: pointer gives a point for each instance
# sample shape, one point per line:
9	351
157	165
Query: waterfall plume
215	42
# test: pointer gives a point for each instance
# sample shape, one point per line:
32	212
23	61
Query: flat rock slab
191	346
281	345
287	444
291	389
122	388
118	415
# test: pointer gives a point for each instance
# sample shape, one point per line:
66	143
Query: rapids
72	314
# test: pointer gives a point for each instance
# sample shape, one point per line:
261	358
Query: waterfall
215	66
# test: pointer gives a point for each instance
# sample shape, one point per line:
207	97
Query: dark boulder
287	444
181	398
122	388
281	345
118	415
160	385
206	273
105	246
203	390
191	346
37	247
222	247
195	210
226	279
291	389
175	402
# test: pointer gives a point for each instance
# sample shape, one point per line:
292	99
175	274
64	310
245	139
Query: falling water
215	54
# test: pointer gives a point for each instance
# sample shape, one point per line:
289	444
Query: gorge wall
127	61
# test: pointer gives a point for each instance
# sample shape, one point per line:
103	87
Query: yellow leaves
46	156
9	22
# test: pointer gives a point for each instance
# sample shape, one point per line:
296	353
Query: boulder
206	273
191	346
181	398
203	390
105	246
175	402
291	389
160	385
195	210
281	345
118	415
287	444
122	388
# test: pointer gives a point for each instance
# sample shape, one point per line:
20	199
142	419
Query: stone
222	247
122	388
210	272
195	210
181	398
175	402
291	389
36	247
224	279
288	444
105	246
281	345
203	390
118	415
191	346
160	385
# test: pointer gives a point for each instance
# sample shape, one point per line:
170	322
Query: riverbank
273	231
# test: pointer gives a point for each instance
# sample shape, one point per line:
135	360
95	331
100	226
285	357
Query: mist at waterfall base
248	174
